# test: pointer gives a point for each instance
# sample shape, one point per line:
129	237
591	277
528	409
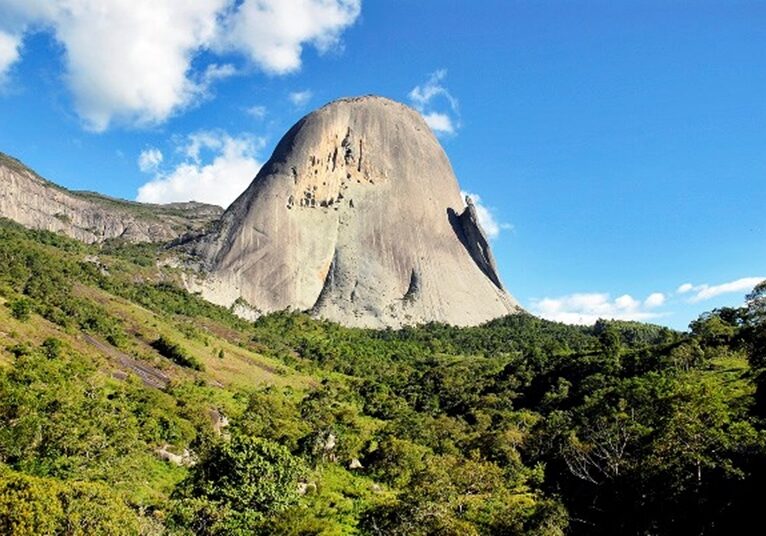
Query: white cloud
9	52
258	112
300	98
130	61
127	60
487	219
706	292
436	104
202	139
272	32
149	159
686	287
422	96
214	72
586	308
230	166
626	302
655	299
439	122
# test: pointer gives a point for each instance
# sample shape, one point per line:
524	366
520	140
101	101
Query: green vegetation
20	308
129	406
176	354
33	506
238	484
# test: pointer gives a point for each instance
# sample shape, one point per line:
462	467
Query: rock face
358	218
34	202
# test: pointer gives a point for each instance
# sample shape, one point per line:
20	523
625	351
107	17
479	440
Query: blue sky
619	148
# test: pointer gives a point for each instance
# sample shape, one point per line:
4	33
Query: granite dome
358	218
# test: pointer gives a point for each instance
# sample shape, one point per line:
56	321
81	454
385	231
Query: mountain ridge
39	203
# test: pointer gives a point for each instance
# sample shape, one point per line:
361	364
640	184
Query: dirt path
151	376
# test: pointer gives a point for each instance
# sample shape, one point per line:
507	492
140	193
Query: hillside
129	406
37	203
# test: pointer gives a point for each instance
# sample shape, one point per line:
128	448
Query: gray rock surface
34	202
358	218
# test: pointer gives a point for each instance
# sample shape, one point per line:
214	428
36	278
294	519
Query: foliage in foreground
520	426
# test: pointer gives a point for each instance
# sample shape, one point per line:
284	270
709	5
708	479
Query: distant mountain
90	217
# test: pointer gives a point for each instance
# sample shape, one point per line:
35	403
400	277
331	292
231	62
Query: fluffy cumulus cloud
9	52
272	32
131	60
436	104
698	293
215	168
487	219
655	299
300	98
586	308
126	59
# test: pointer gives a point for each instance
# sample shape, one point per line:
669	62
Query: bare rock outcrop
34	202
358	218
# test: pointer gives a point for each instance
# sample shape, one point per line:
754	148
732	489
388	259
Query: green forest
131	407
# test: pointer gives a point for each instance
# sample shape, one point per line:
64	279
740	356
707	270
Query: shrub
40	506
21	308
238	483
28	506
52	347
92	508
176	353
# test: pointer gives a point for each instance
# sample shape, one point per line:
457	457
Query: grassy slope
241	367
219	386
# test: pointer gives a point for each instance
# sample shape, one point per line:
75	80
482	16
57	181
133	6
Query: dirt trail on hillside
149	375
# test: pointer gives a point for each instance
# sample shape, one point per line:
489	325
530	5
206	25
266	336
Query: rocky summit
358	218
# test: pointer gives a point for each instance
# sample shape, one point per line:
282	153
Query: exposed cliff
34	202
357	217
